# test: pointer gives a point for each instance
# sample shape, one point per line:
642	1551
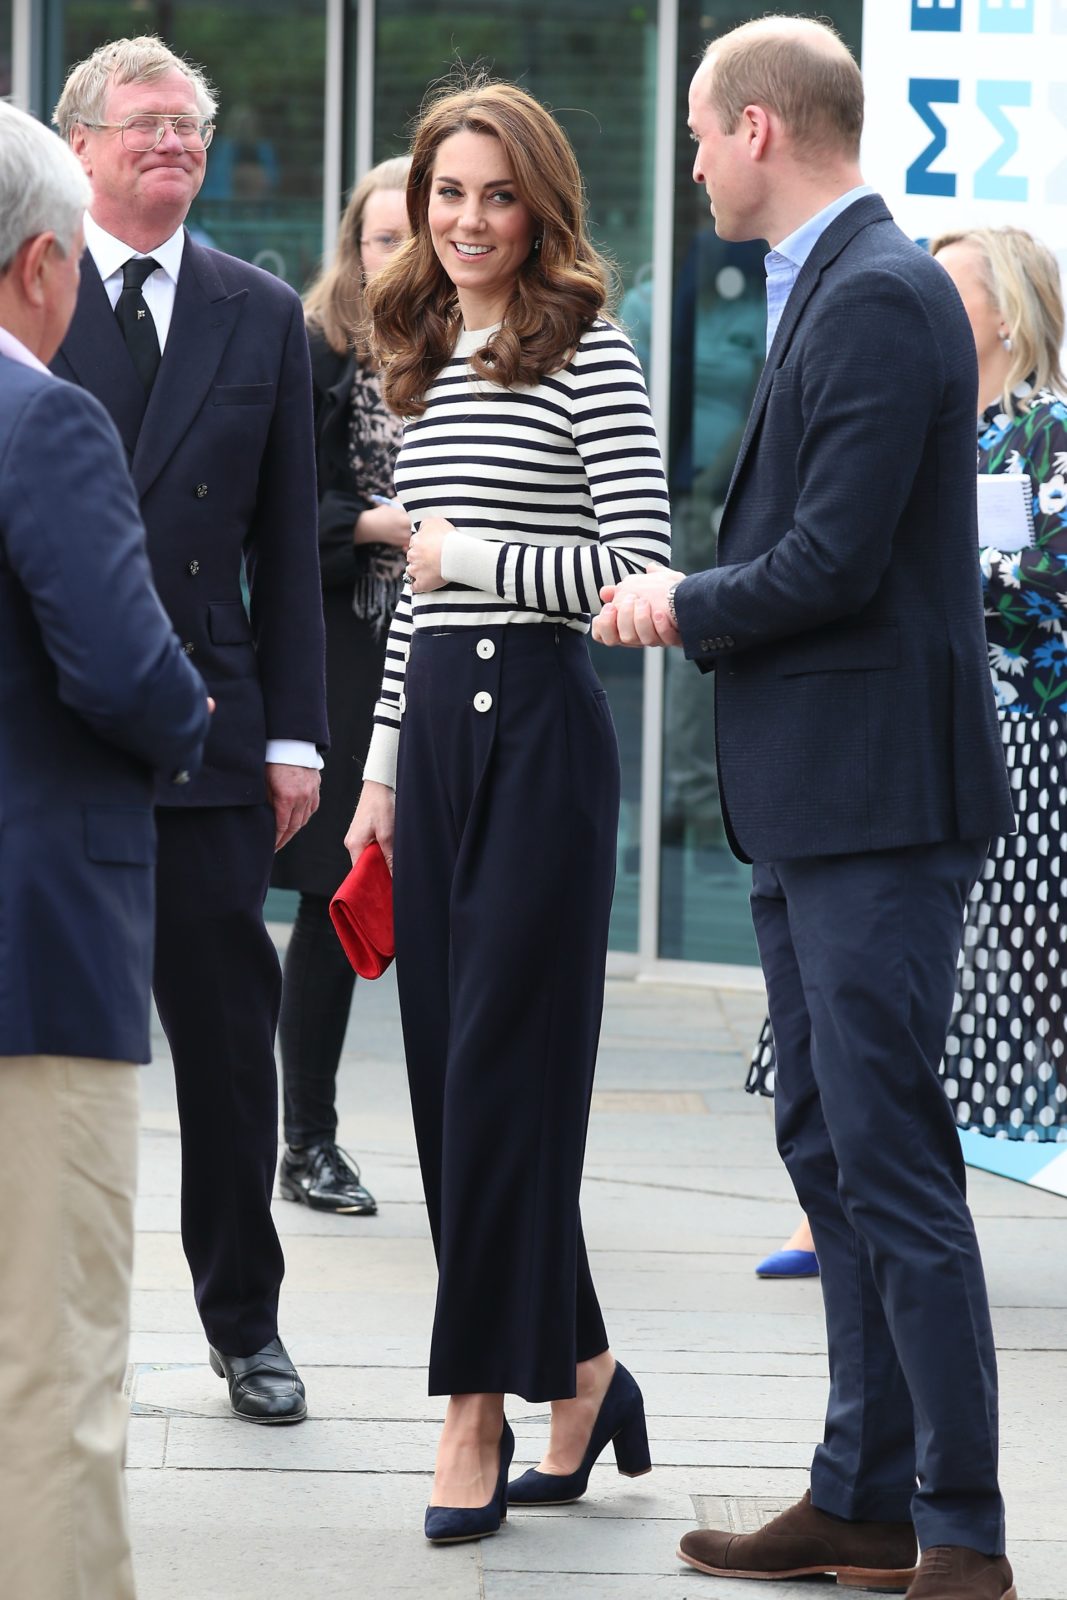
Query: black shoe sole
292	1191
270	1422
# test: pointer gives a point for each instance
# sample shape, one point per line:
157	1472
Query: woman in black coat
362	542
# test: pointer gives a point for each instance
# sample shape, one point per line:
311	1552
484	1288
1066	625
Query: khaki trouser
68	1167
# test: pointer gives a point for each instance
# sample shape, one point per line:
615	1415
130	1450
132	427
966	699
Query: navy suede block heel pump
621	1419
456	1524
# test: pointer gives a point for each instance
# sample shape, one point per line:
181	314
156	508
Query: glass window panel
717	352
595	65
262	195
5	48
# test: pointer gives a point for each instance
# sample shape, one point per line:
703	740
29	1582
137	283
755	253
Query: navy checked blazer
854	709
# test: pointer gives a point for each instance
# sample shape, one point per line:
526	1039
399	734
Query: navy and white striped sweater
554	490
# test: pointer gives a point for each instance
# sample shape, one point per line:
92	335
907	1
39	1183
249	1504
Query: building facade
311	93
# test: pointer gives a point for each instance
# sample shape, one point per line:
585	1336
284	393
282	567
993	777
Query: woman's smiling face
481	230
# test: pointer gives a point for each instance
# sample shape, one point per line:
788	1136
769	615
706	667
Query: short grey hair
140	60
42	186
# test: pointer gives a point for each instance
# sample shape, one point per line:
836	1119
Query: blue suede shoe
621	1419
789	1264
456	1524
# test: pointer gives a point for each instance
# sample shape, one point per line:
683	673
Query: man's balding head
796	68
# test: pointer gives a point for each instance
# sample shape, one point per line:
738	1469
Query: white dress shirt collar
110	253
15	350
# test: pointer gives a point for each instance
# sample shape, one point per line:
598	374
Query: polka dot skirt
1005	1066
1005	1062
760	1078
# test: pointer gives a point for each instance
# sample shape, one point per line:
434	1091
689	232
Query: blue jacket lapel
843	229
204	318
96	354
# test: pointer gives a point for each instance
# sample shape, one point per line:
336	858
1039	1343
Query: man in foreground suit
94	695
862	775
221	452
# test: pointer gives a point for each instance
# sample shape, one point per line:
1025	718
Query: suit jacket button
728	641
201	490
194	568
706	646
188	647
180	777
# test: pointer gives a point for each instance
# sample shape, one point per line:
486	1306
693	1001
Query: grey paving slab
146	1442
333	1392
508	1585
282	1536
678	1207
628	1545
1039	1566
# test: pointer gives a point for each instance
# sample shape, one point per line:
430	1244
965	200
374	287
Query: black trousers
216	985
860	954
317	989
507	811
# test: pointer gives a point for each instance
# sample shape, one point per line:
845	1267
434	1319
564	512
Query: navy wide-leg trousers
507	812
859	953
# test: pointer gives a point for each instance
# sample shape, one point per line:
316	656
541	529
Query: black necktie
135	319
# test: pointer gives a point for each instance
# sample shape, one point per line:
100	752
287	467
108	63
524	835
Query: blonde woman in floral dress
1005	1065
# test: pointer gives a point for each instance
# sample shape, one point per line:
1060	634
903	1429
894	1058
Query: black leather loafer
265	1387
324	1177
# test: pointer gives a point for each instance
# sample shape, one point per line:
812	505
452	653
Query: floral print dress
1026	591
1005	1062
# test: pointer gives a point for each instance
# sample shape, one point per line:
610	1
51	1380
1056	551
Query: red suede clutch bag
362	914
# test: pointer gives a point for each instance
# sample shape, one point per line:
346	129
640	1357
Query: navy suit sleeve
75	540
867	402
282	557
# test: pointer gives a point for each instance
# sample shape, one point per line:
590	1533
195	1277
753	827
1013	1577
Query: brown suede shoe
805	1541
952	1572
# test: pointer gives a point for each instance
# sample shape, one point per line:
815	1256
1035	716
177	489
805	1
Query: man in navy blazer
202	361
861	772
96	700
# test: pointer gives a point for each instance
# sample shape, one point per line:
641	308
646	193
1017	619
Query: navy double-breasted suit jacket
223	460
95	696
854	710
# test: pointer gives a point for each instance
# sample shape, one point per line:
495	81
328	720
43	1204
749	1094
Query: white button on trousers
483	701
486	649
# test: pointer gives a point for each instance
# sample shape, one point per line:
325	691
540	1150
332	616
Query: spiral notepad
1005	511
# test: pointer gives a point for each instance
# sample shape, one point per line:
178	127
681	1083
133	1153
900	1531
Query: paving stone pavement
683	1194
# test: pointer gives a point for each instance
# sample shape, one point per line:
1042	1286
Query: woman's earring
537	245
1006	342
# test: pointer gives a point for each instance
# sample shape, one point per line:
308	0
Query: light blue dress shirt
783	264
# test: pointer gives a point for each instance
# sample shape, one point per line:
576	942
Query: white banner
966	119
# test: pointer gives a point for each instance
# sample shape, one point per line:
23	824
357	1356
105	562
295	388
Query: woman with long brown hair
362	544
532	476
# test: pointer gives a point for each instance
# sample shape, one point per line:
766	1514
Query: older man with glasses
202	362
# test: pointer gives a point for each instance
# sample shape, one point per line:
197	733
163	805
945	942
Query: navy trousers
504	868
217	985
859	953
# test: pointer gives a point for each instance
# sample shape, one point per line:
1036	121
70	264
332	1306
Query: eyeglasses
146	131
388	242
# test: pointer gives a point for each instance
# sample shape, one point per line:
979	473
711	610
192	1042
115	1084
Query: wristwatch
671	592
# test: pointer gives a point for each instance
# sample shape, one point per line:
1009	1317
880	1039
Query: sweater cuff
470	561
380	765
